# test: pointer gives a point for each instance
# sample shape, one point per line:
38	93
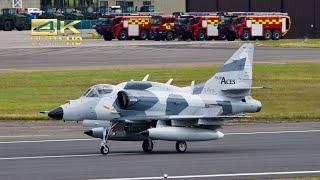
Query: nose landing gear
104	149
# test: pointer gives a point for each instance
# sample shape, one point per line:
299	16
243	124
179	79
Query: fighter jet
147	111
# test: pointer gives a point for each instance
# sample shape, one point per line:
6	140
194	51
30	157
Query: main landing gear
147	146
104	149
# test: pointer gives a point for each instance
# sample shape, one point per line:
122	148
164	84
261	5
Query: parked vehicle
182	27
35	11
163	28
253	25
10	20
125	27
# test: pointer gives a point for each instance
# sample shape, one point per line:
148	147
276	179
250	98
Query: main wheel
267	35
169	36
276	35
123	35
104	150
146	146
201	36
107	37
8	26
245	35
181	146
231	37
143	35
20	28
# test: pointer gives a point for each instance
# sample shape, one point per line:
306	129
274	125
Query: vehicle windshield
9	11
104	21
226	20
156	20
181	21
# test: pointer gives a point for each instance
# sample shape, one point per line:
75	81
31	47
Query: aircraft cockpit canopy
98	90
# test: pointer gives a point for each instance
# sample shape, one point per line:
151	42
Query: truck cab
182	27
162	28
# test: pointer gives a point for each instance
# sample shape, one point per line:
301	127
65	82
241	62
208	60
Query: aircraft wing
177	117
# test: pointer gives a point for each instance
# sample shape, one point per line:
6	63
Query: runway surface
138	53
289	150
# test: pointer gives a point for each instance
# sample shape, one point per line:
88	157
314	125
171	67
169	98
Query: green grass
290	43
295	92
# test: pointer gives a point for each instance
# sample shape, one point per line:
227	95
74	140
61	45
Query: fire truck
163	28
125	27
201	26
255	25
182	27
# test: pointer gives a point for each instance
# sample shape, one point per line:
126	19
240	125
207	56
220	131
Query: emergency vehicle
162	27
262	25
182	27
125	27
203	26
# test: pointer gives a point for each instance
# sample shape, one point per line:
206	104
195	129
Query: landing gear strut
181	146
104	149
147	145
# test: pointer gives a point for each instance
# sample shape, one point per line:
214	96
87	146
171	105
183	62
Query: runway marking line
217	175
87	139
18	136
64	156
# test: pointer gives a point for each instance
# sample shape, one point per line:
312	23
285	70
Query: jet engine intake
126	100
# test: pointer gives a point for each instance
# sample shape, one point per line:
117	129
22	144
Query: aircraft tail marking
235	76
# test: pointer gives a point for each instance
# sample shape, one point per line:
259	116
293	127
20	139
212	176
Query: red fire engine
163	27
125	27
203	26
262	25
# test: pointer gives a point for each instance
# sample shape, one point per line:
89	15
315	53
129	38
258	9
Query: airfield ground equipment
10	19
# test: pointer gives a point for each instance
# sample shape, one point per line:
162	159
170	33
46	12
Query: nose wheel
104	149
147	145
181	146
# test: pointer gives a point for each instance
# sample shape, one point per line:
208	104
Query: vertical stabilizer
235	76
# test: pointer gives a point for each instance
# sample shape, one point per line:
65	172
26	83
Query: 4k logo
227	81
49	27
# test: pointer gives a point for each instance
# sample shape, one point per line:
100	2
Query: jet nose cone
259	106
56	113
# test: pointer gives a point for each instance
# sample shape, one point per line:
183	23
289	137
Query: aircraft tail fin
235	76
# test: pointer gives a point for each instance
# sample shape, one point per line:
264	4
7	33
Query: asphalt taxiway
247	151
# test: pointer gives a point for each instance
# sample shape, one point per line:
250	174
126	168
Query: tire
169	36
122	35
146	146
20	28
231	37
107	37
201	36
222	36
245	36
276	35
143	35
181	146
150	36
8	26
267	35
104	150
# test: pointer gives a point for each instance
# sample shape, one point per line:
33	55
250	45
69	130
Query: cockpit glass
92	93
86	92
104	90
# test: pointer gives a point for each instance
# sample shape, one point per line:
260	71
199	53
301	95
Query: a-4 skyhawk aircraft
147	111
